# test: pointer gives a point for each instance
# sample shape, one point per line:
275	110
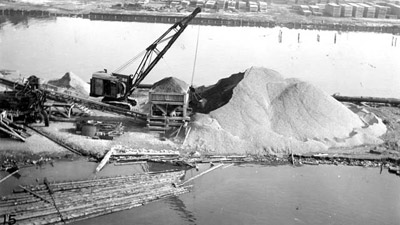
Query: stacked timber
333	10
231	6
369	10
200	3
122	154
253	6
185	3
394	10
79	200
305	10
220	4
210	5
315	10
346	10
263	6
242	6
381	11
321	7
358	10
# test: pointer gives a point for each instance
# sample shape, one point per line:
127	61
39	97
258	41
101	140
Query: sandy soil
279	13
137	136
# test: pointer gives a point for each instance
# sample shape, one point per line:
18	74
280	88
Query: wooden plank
5	128
201	174
105	160
8	176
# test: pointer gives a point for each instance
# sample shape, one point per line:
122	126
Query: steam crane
116	88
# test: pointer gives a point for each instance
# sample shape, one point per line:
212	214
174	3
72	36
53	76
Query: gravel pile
170	85
72	82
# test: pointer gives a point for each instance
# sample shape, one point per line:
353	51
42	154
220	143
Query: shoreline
285	19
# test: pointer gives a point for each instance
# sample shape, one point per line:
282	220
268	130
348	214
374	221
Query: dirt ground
138	137
280	13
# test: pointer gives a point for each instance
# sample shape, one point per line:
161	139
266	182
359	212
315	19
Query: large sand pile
72	82
269	114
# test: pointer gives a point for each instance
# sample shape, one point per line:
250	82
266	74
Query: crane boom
145	67
116	88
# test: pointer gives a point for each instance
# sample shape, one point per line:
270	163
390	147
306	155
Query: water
66	170
255	194
357	64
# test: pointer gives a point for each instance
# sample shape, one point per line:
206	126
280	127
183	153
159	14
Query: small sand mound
170	85
72	82
269	114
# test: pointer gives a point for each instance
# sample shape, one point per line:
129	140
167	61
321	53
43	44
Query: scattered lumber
105	160
359	99
7	126
8	176
201	174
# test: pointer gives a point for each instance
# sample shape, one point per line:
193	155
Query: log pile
123	154
79	200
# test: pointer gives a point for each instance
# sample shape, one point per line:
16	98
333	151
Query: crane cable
194	66
195	56
129	62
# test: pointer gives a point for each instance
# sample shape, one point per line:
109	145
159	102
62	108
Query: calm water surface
276	195
358	64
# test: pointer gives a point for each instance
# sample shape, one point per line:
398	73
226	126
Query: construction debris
99	129
8	127
26	103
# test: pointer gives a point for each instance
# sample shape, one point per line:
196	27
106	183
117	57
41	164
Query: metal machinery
26	103
169	100
116	88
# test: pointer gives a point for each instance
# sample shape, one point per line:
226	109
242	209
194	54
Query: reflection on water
351	63
256	194
75	170
178	205
20	21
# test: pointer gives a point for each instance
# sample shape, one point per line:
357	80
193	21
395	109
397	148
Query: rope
129	62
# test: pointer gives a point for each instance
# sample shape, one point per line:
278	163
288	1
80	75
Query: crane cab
110	86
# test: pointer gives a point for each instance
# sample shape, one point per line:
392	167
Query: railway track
53	94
